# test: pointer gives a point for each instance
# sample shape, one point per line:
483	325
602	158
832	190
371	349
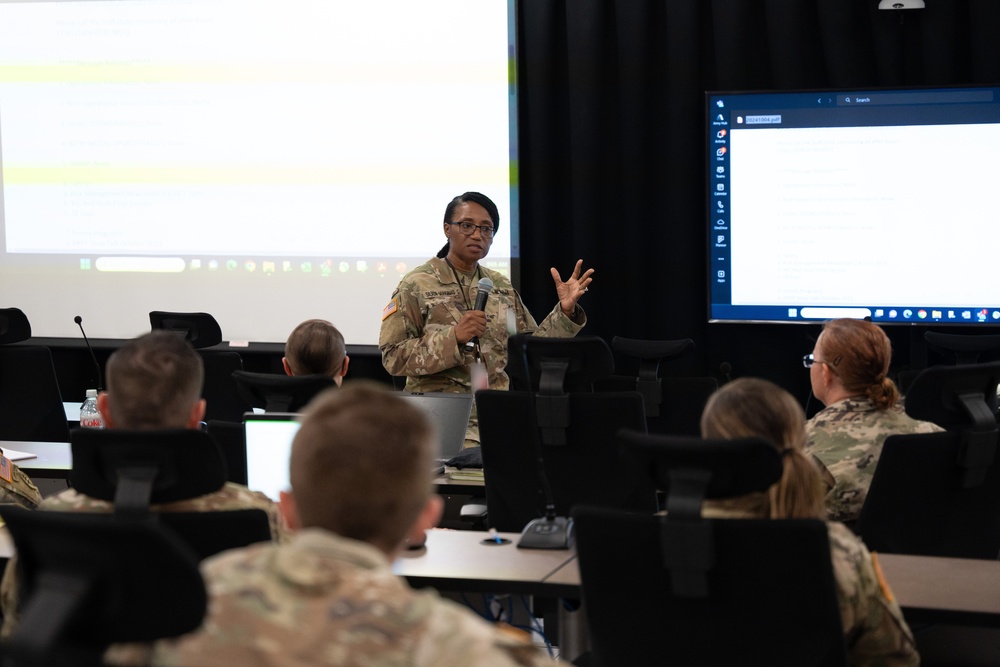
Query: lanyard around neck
465	295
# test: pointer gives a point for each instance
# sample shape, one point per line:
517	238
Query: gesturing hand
570	291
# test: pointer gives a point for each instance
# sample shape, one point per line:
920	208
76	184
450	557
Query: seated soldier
361	482
154	382
316	347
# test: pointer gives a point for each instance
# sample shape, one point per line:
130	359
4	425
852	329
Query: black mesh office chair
673	405
938	494
222	400
135	469
964	348
88	582
280	393
950	348
30	401
558	438
680	589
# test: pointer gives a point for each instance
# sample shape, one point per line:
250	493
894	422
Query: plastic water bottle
90	416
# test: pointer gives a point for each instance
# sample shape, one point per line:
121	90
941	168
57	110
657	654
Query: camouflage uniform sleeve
557	324
16	487
8	597
874	628
409	344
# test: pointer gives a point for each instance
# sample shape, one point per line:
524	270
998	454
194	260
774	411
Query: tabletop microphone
93	357
485	285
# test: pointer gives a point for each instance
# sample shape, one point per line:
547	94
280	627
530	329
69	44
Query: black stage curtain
611	96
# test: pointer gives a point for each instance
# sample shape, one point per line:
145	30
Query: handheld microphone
93	357
726	368
485	286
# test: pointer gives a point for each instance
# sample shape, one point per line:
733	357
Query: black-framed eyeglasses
467	228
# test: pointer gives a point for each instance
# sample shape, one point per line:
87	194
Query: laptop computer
269	446
269	438
449	413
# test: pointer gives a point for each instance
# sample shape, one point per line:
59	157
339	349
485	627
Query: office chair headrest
731	467
690	470
965	347
955	396
280	393
185	463
652	349
199	329
14	326
585	360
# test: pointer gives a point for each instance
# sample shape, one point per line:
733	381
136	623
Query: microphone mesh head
485	285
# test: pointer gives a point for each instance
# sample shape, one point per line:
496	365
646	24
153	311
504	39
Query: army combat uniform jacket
418	330
847	438
324	600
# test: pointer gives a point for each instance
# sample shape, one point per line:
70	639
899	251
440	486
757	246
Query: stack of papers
465	474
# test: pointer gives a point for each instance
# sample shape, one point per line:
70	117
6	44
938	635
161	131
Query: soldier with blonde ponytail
873	624
757	408
849	373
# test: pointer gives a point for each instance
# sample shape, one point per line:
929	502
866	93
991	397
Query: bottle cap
91	393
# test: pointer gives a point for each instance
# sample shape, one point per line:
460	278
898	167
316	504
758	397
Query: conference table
957	591
52	459
470	560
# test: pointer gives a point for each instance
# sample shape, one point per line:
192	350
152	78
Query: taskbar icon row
938	314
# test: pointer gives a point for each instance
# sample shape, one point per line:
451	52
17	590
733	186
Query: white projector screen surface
266	162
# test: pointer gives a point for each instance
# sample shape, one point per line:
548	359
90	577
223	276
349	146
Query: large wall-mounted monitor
854	203
266	161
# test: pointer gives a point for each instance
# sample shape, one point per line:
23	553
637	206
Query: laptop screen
450	415
269	447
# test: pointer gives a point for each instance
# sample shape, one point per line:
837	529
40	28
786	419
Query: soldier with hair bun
848	370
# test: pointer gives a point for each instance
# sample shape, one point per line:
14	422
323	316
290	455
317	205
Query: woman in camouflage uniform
848	370
431	332
874	628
